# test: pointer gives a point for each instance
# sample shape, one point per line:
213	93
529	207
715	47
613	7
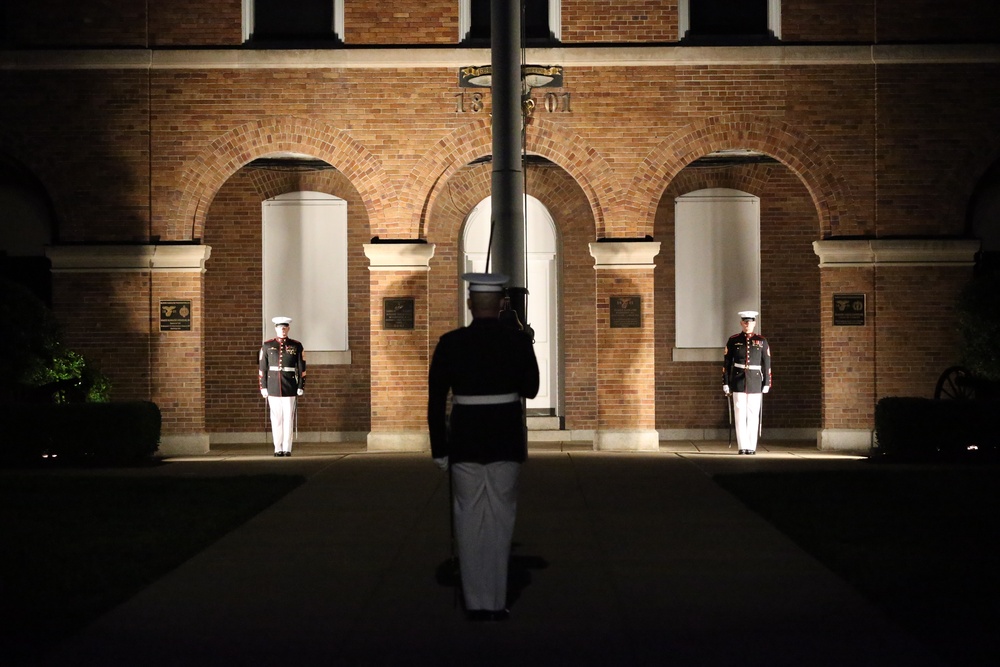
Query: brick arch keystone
836	207
206	173
584	164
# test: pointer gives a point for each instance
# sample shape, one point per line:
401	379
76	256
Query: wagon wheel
955	383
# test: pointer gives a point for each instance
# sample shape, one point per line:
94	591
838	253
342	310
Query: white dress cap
485	282
281	320
748	314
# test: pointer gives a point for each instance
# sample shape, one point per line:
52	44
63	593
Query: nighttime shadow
519	573
446	574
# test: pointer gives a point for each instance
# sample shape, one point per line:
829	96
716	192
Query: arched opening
26	226
542	283
984	219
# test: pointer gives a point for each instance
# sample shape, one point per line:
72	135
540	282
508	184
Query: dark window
728	20
292	22
535	21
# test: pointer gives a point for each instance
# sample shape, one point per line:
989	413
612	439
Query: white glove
263	392
300	392
725	389
765	388
442	462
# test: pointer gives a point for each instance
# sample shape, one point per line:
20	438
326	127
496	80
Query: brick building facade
865	130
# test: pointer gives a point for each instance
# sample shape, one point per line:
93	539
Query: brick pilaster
626	369
399	357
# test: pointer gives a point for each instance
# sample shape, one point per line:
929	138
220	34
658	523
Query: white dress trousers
485	506
746	412
282	421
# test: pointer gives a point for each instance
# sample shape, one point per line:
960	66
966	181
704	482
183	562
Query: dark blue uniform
485	358
282	367
747	367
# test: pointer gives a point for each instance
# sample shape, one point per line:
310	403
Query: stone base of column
184	444
399	441
627	441
845	440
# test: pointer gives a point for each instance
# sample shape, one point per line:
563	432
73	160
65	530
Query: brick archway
587	167
223	157
963	180
831	193
39	168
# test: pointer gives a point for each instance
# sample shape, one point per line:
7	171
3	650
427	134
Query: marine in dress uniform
489	368
746	375
281	376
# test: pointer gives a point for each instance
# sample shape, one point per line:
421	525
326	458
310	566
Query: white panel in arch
305	268
717	264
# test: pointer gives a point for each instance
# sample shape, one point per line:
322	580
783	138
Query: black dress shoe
277	453
478	615
751	452
500	615
487	615
742	452
288	453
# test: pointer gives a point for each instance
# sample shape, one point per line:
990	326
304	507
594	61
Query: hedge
924	429
99	433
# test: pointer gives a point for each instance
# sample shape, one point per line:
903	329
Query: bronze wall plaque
626	312
848	310
397	313
175	315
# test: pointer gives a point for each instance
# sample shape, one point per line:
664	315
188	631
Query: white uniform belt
753	368
282	368
486	399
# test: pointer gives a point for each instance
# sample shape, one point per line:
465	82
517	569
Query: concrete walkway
620	559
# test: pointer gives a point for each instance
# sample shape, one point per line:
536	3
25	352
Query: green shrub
43	370
99	433
924	429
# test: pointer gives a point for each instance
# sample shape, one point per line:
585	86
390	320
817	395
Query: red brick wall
937	136
86	133
625	355
828	21
382	22
849	353
337	397
400	358
932	21
177	358
196	23
618	22
63	23
106	317
113	320
916	335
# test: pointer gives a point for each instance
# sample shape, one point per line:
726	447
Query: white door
540	242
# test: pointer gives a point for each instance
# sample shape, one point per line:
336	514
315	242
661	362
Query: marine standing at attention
281	377
489	368
746	374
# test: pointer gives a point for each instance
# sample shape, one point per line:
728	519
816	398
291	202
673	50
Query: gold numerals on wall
476	102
